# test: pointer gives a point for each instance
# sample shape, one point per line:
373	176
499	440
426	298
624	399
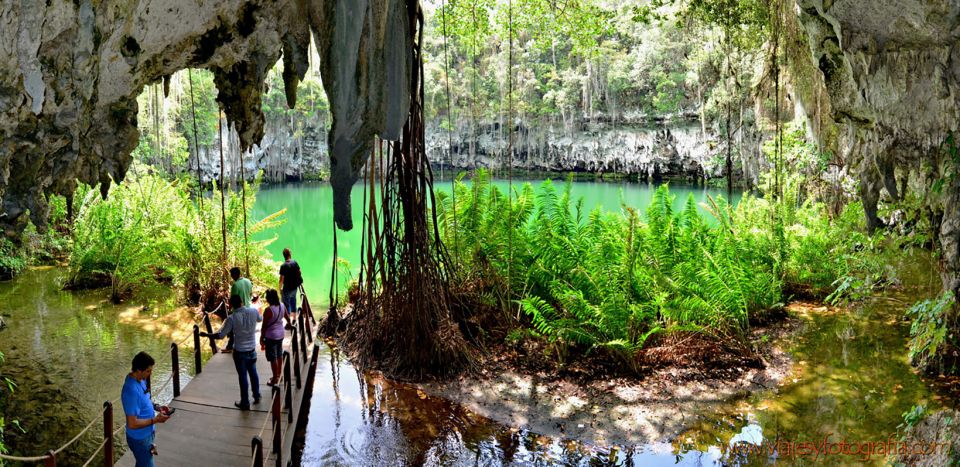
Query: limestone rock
891	69
365	72
70	71
649	151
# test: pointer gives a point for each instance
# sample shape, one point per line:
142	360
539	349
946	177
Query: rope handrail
94	420
55	452
167	382
103	445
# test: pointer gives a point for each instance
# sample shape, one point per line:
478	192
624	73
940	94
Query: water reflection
365	419
68	352
851	382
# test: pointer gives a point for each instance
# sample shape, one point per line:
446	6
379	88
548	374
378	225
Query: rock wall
651	151
891	70
71	71
284	154
678	150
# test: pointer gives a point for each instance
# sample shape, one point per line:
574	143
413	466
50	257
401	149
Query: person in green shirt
241	286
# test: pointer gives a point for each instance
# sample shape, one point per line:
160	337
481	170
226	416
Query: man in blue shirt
243	323
139	410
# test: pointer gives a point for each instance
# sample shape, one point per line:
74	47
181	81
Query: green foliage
148	229
12	259
6	385
36	247
608	282
932	329
912	417
570	60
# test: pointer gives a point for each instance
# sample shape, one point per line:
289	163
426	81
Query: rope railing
299	345
113	435
50	456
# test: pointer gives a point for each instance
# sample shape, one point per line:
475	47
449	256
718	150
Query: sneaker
225	350
256	400
241	406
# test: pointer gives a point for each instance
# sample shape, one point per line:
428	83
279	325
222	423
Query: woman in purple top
271	333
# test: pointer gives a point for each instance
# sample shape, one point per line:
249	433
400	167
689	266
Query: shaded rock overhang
891	72
71	71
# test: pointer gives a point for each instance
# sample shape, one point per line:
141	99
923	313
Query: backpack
293	275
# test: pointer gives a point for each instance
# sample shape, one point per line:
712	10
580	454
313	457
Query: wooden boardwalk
208	430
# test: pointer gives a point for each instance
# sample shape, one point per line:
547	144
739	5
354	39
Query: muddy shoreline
622	410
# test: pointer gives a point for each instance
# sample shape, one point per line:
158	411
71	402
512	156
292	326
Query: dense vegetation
561	65
609	282
149	229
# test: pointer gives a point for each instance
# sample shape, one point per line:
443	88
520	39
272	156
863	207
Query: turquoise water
309	226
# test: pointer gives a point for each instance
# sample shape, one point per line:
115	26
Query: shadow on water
68	352
851	382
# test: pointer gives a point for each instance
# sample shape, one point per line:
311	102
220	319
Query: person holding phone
140	412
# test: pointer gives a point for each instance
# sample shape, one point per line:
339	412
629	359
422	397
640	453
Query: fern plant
608	282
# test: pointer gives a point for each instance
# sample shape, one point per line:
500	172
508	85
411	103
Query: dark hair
272	297
235	301
235	273
141	361
286	253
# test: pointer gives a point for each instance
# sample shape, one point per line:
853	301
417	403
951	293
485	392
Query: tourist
243	323
290	280
241	286
271	333
139	410
244	288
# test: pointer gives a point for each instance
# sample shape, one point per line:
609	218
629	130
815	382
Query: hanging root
402	322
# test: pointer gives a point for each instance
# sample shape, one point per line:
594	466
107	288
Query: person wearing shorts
272	333
290	280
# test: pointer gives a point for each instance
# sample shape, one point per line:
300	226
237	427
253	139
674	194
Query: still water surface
310	219
69	352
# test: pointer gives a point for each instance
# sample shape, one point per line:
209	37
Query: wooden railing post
209	327
296	350
277	427
197	362
293	340
257	447
303	338
51	460
308	327
175	368
286	385
296	365
108	434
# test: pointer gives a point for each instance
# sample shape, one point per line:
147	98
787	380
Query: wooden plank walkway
208	430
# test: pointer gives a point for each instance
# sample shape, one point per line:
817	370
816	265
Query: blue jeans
289	300
246	363
141	450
